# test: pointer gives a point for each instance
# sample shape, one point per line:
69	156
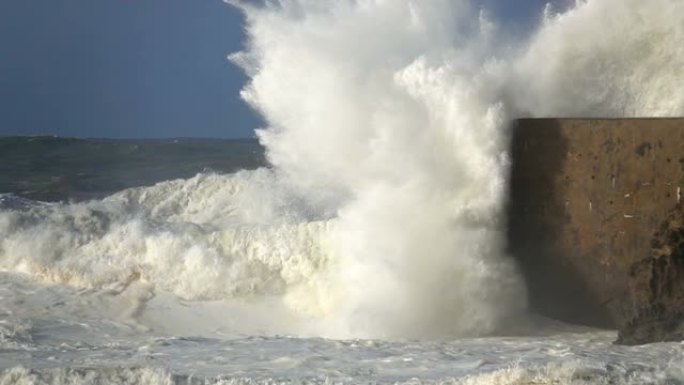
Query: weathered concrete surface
657	287
595	223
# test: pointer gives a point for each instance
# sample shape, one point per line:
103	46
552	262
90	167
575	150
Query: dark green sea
48	168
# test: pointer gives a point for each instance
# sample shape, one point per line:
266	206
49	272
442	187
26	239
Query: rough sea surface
91	291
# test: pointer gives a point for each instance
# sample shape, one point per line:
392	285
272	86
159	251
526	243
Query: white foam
303	369
609	58
387	132
181	236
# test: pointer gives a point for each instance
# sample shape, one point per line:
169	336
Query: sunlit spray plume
604	58
389	115
393	115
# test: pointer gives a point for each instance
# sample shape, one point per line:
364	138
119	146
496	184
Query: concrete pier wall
587	199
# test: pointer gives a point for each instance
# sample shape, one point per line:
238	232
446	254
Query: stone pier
595	221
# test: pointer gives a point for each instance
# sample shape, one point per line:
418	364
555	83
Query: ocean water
165	284
361	241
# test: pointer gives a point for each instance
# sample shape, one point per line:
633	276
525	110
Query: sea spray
389	115
608	58
393	115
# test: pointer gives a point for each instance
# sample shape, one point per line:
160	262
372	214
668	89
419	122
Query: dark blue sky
133	68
